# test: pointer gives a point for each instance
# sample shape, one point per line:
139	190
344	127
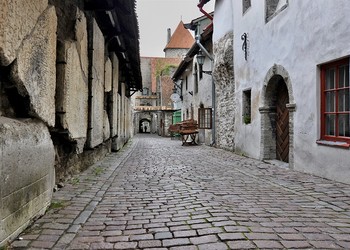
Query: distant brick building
153	107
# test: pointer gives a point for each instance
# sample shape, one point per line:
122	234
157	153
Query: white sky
156	16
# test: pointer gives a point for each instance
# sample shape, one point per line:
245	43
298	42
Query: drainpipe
200	6
213	100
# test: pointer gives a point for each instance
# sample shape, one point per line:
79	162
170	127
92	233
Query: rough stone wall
167	86
70	133
121	140
45	110
108	95
27	91
97	63
72	82
34	71
27	173
146	73
114	108
16	24
108	76
225	92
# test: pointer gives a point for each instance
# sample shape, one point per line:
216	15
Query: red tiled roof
181	38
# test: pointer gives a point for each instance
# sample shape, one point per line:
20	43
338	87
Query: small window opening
145	91
246	5
205	118
195	77
247	106
273	7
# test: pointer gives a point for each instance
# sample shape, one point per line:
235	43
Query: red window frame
336	90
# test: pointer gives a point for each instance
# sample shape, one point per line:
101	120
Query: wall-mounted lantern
200	61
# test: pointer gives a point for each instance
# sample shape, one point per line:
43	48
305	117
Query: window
247	104
246	5
186	82
335	101
200	72
273	7
145	91
204	118
192	111
195	78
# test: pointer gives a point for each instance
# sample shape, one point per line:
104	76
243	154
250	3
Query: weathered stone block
72	93
114	108
27	173
108	76
81	38
106	126
34	71
224	78
95	135
16	24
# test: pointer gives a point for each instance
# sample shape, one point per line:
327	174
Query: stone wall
114	98
59	98
225	92
16	24
97	62
27	110
26	182
32	77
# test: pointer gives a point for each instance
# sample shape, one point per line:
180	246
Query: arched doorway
282	122
277	116
144	126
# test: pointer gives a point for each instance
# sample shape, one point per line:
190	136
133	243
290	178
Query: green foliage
56	205
74	180
98	170
246	119
164	68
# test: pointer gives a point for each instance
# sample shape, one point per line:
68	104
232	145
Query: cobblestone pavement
157	194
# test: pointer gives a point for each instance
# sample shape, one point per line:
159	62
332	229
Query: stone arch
276	76
145	125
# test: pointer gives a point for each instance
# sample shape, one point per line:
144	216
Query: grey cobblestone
157	194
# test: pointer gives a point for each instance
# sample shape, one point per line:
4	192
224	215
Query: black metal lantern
200	57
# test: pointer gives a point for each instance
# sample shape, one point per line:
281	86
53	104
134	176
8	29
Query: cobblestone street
157	194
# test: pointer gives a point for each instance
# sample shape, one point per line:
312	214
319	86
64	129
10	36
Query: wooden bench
188	130
174	130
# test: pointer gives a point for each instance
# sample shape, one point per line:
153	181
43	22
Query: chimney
168	35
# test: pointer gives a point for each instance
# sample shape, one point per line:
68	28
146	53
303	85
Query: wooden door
282	124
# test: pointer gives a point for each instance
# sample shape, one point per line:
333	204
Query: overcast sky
156	16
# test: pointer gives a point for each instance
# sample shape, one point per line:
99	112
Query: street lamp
200	58
200	61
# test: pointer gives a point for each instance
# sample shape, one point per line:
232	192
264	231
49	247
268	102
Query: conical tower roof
181	39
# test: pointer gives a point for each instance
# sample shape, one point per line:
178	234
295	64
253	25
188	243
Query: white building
291	81
194	81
